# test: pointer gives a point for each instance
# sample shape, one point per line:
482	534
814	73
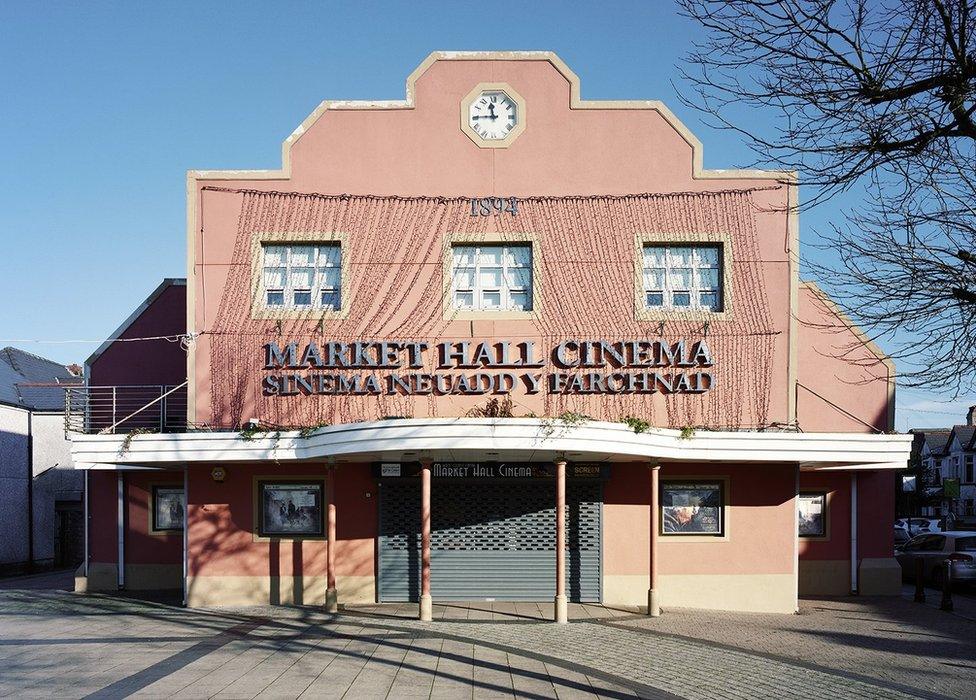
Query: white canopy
486	439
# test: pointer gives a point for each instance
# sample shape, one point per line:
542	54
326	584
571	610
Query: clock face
492	115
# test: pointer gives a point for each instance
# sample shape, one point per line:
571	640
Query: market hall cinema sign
572	367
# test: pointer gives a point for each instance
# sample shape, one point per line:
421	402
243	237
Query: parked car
934	549
901	536
915	526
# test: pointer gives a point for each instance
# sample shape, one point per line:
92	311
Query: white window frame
510	261
667	290
321	261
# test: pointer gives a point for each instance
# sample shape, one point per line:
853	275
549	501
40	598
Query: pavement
58	579
54	643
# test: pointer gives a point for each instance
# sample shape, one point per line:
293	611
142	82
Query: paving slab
59	644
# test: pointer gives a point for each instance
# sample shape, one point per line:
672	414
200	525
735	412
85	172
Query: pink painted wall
221	516
838	488
141	547
760	522
875	514
103	509
842	385
563	151
876	508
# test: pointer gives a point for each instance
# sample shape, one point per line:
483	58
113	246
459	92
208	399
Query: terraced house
949	456
495	341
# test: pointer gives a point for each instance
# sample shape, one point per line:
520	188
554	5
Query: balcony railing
125	409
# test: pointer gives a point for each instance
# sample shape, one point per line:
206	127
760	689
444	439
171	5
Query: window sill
662	314
267	312
165	533
457	315
257	537
690	537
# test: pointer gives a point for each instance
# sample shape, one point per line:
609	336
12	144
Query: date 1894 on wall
492	206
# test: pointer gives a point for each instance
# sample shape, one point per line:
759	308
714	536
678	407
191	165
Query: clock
492	115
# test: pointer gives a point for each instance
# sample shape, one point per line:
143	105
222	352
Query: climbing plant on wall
585	265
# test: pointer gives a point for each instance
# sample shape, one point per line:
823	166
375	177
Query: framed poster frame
156	526
722	482
263	532
824	533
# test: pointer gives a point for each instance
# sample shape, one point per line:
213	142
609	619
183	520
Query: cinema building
493	341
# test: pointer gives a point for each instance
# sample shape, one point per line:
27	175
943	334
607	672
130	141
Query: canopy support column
855	584
426	603
120	580
331	595
653	605
186	534
561	613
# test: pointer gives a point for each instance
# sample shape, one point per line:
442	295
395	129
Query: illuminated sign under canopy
571	367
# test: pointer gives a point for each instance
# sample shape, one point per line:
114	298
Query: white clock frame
519	114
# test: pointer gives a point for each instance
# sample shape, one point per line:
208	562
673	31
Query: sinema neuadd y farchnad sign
571	367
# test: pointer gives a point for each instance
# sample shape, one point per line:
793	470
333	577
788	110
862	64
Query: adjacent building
40	492
948	458
495	341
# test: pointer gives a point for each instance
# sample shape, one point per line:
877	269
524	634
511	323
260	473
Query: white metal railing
125	408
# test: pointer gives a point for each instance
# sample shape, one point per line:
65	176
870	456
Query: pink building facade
495	341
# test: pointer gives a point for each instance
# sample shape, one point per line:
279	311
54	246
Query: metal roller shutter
490	540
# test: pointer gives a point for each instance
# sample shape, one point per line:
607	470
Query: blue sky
106	105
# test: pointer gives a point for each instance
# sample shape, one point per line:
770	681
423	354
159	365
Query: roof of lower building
120	331
33	382
936	438
964	434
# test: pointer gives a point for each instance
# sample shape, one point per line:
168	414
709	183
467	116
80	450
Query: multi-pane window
303	276
492	277
683	277
969	469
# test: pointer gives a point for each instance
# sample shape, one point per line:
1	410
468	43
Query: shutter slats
490	541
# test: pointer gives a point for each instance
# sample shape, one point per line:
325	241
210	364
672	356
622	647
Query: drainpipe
30	491
87	554
854	582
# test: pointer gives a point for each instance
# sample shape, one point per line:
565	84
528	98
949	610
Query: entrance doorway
490	540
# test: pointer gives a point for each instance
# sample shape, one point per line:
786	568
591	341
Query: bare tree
877	95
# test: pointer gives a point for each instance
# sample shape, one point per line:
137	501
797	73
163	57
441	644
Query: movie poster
291	509
811	521
693	508
167	508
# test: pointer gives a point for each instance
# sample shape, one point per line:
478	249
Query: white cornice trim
462	439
